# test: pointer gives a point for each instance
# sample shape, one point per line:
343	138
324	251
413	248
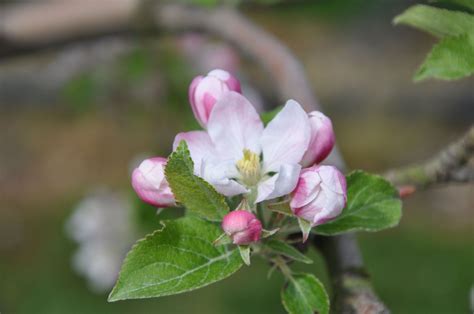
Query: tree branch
452	164
24	31
351	282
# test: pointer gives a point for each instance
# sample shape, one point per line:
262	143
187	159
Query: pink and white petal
199	144
286	137
306	212
220	74
221	174
333	206
280	184
332	179
307	188
234	125
150	188
322	139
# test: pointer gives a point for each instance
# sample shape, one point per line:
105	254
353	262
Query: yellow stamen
249	168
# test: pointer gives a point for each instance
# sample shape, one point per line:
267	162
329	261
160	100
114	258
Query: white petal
234	124
280	184
220	175
199	144
332	179
286	138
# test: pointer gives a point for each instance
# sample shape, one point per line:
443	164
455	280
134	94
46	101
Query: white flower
237	155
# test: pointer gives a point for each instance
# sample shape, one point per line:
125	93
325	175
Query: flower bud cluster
317	193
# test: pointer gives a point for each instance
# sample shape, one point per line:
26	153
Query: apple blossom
322	139
204	92
242	227
237	155
320	194
149	182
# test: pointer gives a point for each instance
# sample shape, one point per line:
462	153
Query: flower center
249	168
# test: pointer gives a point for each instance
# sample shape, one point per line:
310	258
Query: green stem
283	266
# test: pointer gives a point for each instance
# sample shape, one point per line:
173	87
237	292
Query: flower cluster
238	155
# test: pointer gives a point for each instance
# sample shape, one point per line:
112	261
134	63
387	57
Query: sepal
305	227
245	254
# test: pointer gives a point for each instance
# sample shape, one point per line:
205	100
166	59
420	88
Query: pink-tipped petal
242	227
149	182
234	125
233	84
307	188
220	74
320	195
192	90
204	92
286	137
322	139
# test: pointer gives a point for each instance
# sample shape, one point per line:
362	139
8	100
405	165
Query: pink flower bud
322	139
205	91
242	227
320	194
149	181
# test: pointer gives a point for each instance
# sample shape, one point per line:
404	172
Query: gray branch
452	164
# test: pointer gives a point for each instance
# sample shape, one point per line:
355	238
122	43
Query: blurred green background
64	134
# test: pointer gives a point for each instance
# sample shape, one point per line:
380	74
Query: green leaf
181	257
451	58
282	248
192	191
372	204
463	3
269	115
305	294
439	22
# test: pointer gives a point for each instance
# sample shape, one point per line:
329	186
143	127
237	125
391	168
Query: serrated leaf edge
185	150
396	197
328	303
163	223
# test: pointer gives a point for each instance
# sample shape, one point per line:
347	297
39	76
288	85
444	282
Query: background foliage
360	66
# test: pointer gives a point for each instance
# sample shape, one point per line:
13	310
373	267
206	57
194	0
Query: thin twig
449	165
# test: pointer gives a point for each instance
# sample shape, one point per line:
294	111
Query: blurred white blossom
103	227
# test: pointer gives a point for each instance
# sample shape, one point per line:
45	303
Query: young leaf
451	58
179	258
372	204
439	22
190	190
287	250
305	294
